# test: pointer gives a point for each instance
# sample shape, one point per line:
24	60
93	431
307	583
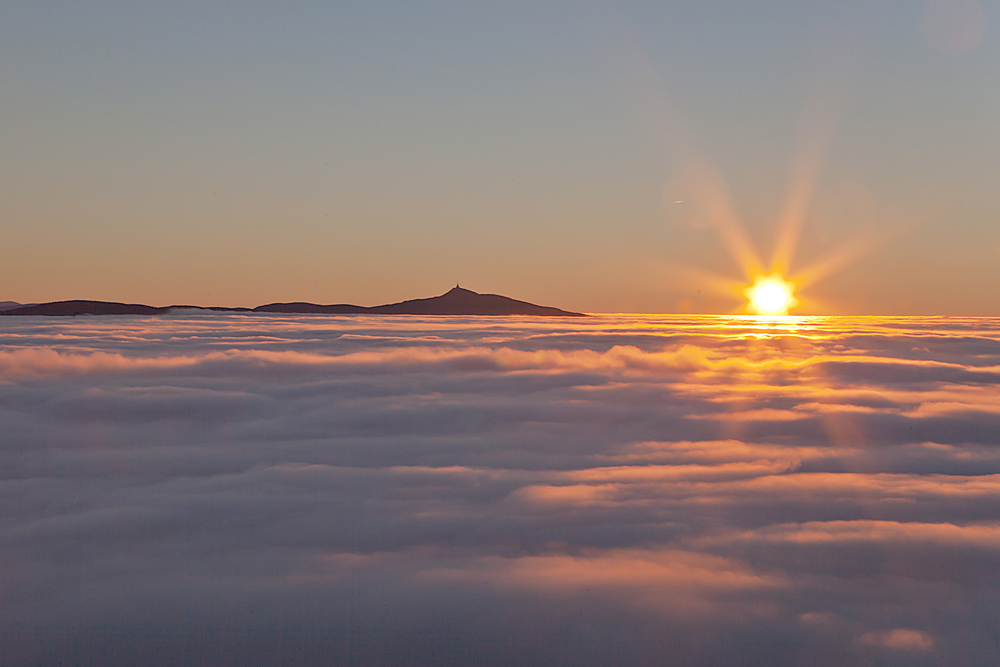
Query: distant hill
86	308
305	308
457	301
9	305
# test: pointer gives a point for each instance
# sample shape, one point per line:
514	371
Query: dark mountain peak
461	301
456	292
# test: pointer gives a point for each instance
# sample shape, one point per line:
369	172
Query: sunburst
770	295
769	289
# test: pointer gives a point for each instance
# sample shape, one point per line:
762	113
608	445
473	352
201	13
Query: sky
595	156
699	490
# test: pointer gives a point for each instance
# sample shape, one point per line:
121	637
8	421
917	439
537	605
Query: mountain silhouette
82	307
456	301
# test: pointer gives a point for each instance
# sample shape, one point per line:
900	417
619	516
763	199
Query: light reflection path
387	490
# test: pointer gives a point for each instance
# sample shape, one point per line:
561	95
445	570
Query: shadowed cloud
210	489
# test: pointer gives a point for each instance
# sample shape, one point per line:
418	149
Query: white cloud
453	490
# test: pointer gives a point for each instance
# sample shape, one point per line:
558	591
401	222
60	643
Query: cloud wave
225	489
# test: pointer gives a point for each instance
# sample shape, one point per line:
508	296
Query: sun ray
711	193
704	187
814	135
805	173
850	252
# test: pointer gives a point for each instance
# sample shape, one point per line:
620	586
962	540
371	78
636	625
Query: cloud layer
213	490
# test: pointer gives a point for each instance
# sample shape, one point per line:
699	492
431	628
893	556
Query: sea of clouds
274	490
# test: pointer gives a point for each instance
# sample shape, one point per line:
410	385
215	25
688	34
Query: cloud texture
215	490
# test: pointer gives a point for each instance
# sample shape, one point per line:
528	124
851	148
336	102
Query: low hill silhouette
456	301
83	307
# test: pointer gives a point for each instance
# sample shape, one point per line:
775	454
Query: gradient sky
240	153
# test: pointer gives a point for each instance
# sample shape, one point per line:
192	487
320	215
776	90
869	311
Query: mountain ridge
456	301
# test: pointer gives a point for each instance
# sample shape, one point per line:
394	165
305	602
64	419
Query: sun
770	295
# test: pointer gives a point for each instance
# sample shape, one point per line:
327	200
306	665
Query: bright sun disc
770	295
770	298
